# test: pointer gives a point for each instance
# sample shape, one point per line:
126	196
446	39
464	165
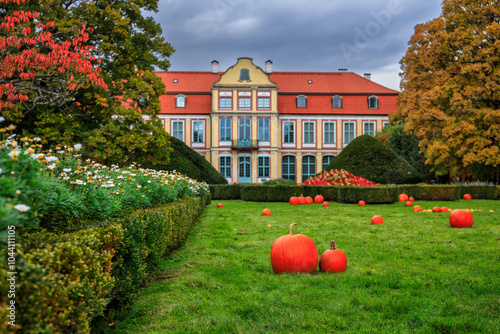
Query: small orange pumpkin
377	220
444	209
294	253
411	199
408	203
333	260
266	212
417	208
309	200
326	204
318	199
294	200
403	197
302	199
436	209
219	205
361	203
467	197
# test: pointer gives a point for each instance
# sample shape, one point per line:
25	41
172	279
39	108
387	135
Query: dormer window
337	102
244	75
175	80
373	102
180	101
301	101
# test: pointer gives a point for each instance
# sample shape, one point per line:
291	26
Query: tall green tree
451	87
109	122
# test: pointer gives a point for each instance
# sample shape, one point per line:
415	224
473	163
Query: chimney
342	69
368	76
215	67
269	67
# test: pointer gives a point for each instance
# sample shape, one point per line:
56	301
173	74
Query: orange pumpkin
294	200
444	209
461	218
467	197
309	200
411	199
326	204
318	199
361	203
377	220
294	253
403	197
333	260
436	209
220	205
408	203
266	212
302	200
417	208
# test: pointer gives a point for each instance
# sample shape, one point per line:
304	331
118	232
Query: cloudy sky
363	36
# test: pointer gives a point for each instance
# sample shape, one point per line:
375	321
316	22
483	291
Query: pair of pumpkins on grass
297	253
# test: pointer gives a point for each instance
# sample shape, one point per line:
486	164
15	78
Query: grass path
413	274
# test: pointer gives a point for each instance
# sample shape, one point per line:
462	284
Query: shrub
280	181
369	158
439	193
478	191
371	195
63	281
229	191
187	161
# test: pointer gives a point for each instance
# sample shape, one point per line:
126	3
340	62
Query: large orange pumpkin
333	260
436	209
294	253
309	200
461	218
403	197
361	203
318	199
294	200
467	197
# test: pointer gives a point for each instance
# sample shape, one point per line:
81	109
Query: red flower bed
338	177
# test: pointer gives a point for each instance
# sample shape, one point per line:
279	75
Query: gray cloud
314	35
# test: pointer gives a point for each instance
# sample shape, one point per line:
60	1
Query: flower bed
338	177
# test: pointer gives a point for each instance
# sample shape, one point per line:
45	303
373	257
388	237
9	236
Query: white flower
67	170
79	182
2	119
37	139
14	153
51	158
51	167
21	207
77	146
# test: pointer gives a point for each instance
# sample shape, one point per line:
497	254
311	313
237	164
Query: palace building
254	125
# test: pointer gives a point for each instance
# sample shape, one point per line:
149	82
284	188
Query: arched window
337	102
288	167
373	102
308	167
301	101
244	74
180	101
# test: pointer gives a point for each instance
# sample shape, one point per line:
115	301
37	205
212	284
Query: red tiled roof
326	82
195	104
188	81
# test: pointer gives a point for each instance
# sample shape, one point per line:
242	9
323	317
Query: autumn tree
110	122
451	87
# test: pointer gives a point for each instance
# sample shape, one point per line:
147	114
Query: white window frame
180	101
339	98
261	104
229	98
194	125
285	123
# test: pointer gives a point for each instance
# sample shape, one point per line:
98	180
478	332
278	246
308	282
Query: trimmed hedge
70	283
371	195
346	194
479	191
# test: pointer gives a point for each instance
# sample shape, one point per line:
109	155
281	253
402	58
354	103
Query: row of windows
288	163
372	101
245	102
264	130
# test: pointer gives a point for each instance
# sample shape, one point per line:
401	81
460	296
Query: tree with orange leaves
451	88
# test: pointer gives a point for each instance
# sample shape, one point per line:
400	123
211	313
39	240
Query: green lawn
413	274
